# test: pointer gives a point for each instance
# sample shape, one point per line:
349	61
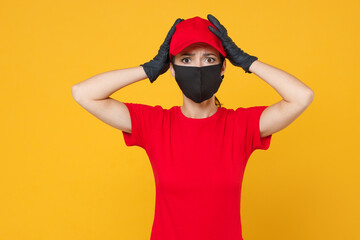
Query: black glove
236	56
161	62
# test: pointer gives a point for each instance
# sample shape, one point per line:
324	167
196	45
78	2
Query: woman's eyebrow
207	54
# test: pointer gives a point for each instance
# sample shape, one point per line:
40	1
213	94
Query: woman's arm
102	85
94	93
296	95
296	98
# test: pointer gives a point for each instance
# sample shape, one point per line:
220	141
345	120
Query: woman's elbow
75	92
309	96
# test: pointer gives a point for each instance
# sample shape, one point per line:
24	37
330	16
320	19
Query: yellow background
64	174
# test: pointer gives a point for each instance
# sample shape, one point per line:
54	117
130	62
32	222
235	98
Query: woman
198	151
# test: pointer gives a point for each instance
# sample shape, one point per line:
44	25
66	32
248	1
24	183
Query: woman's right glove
161	62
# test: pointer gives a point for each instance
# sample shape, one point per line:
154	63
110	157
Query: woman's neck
195	110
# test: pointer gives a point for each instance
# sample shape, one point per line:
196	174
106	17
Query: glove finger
172	30
216	32
164	48
216	23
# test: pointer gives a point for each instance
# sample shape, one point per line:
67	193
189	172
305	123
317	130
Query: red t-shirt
198	166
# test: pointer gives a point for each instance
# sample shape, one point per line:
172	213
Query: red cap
191	31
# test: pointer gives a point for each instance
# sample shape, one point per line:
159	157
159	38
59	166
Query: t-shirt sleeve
253	140
142	118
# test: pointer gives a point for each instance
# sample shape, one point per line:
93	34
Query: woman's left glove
235	55
161	62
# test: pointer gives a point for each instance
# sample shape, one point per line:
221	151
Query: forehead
200	46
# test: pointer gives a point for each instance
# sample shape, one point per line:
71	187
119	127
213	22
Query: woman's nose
198	62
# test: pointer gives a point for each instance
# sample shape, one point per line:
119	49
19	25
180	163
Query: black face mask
198	83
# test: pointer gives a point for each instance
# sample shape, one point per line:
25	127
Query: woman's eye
212	60
187	60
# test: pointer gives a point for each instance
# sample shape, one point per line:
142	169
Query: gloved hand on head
161	62
235	55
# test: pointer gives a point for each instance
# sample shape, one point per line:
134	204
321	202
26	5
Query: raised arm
296	95
94	93
296	98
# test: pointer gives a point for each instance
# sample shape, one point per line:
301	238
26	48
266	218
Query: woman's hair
217	102
222	58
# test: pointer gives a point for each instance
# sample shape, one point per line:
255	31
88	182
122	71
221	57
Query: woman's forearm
104	84
289	87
